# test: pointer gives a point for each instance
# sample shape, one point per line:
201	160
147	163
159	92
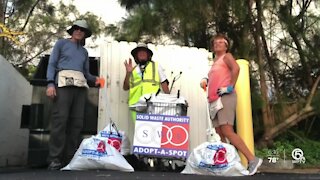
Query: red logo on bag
101	147
115	142
220	156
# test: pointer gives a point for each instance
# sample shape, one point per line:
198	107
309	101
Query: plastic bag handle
113	125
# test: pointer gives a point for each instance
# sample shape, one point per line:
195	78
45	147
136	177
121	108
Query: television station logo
297	155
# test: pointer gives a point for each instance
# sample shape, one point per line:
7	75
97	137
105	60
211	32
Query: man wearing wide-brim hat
145	77
82	25
67	76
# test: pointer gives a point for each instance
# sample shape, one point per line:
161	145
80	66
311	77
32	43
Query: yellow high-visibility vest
150	83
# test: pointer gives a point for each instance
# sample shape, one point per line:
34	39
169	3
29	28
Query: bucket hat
82	24
139	47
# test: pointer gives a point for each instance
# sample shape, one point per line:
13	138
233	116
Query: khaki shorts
226	115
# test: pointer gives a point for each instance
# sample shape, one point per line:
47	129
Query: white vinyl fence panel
192	62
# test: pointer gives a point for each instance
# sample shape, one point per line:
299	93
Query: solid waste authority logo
220	157
166	135
115	142
101	147
161	135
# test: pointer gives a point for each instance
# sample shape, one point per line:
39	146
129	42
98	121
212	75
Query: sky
110	12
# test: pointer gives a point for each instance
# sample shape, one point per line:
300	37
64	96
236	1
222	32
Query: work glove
100	81
204	83
225	90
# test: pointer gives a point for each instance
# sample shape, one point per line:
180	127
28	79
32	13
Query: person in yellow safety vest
145	77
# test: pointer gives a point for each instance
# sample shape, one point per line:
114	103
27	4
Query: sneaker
254	165
55	165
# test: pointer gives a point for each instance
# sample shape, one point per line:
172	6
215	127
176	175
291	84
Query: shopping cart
167	104
162	131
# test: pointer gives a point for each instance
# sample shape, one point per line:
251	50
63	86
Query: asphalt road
41	173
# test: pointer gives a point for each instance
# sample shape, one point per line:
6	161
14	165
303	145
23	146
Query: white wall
192	62
15	91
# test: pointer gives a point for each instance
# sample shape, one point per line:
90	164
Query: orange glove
100	81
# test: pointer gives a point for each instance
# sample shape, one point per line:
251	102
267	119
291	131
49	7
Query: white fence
192	62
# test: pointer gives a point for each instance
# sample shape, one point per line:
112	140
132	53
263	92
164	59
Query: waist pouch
71	78
215	106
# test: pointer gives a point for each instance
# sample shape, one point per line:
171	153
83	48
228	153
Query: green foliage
44	25
288	59
31	71
256	106
27	71
184	22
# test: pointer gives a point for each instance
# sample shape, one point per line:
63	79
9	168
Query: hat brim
87	33
135	51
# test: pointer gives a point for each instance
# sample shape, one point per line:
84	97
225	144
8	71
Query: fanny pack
215	106
71	78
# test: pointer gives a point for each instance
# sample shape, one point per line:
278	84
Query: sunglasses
79	28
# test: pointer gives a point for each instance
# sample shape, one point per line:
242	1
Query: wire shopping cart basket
170	106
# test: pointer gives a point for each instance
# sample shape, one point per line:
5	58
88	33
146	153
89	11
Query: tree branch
313	92
288	123
29	15
304	113
30	59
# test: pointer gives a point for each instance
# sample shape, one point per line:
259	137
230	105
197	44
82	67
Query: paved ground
267	171
41	173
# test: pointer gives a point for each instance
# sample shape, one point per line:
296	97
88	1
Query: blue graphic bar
163	118
152	151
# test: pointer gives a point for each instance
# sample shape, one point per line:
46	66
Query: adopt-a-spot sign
161	135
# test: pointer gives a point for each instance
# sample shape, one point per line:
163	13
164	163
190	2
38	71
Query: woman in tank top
221	81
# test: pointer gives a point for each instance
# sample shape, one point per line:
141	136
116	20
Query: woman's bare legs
228	132
218	131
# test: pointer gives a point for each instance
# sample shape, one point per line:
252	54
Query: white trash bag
96	153
217	159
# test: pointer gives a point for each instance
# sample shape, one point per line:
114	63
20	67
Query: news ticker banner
161	135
